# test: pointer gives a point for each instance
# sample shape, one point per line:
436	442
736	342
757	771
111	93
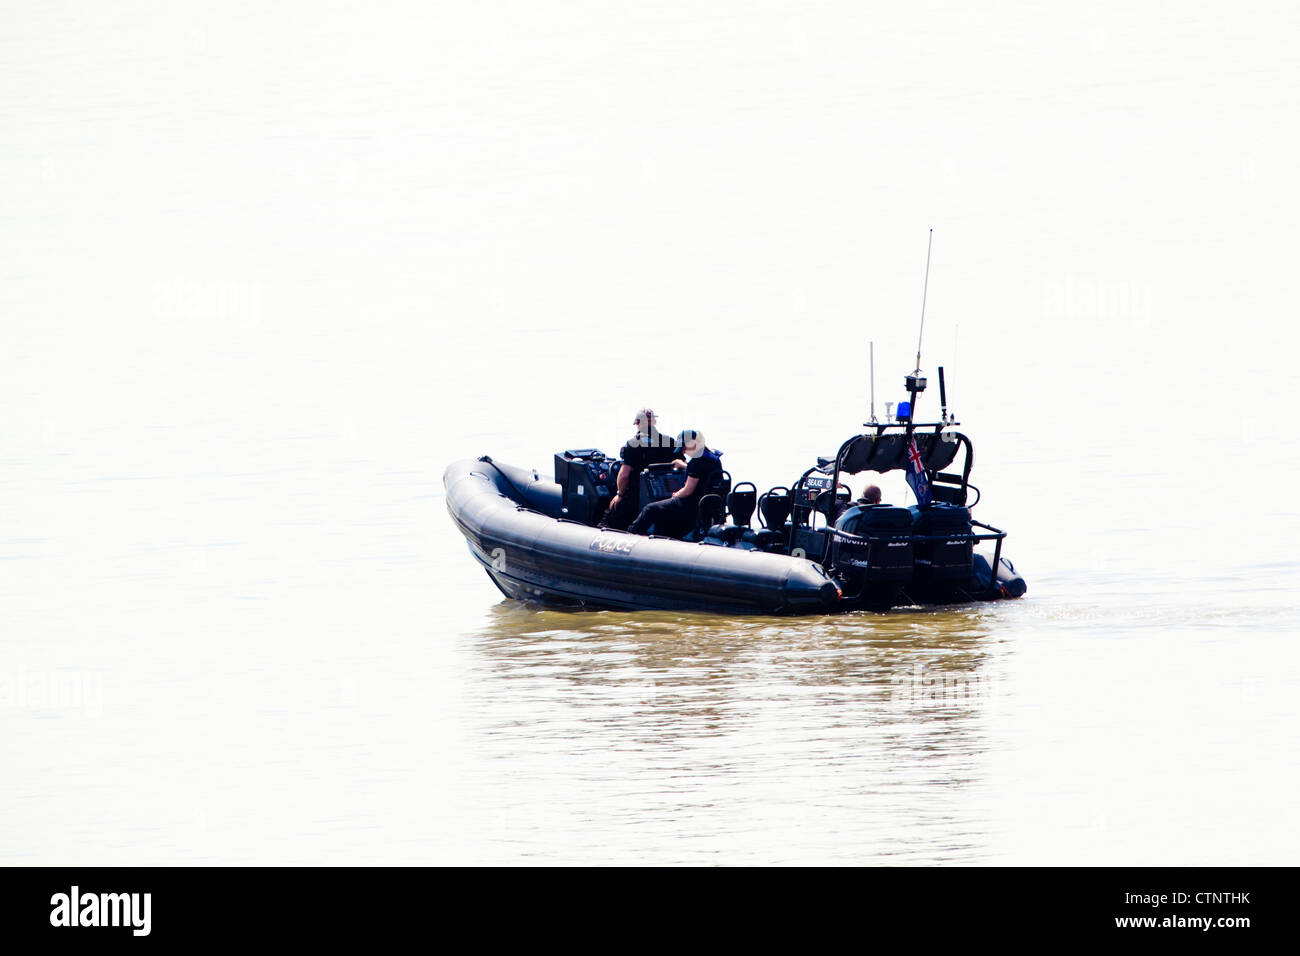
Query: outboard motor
872	552
944	559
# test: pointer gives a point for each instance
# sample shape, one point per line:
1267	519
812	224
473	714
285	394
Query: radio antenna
915	382
873	383
924	290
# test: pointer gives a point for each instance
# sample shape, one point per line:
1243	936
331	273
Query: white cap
690	434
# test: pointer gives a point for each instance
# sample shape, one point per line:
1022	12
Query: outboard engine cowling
944	550
883	545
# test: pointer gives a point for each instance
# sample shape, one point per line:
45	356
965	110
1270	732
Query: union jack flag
916	478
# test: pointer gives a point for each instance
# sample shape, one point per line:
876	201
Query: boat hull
511	521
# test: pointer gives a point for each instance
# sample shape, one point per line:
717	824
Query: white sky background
390	219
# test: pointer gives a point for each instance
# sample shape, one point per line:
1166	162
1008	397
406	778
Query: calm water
253	303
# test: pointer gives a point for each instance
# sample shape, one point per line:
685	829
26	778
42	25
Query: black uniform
675	517
638	454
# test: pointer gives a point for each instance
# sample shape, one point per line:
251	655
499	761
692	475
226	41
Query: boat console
586	477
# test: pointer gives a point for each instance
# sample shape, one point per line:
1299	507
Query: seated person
646	447
675	516
870	496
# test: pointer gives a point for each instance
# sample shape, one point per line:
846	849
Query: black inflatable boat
813	552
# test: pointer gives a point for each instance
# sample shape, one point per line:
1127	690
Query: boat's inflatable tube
1009	584
510	518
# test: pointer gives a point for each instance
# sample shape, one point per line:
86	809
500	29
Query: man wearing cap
647	447
675	516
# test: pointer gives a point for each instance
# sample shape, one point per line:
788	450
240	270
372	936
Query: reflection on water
767	739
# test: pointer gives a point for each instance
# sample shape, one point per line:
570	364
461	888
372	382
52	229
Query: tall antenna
915	382
924	290
873	383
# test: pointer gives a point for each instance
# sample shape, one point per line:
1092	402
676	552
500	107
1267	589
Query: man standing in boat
647	447
675	516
